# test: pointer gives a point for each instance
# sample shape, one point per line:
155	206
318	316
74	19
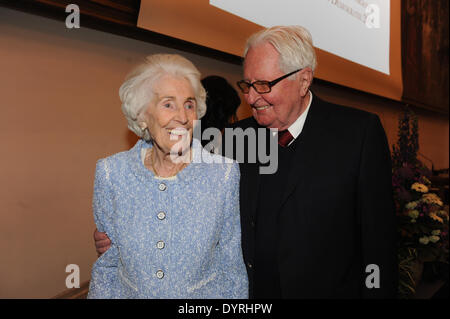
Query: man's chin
263	117
262	120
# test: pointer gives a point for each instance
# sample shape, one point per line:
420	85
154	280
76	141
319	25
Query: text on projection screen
355	30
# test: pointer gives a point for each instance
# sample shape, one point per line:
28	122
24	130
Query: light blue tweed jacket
171	238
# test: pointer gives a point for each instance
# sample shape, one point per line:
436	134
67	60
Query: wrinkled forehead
169	83
262	62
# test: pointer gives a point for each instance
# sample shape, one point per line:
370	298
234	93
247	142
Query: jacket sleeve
104	277
229	247
377	215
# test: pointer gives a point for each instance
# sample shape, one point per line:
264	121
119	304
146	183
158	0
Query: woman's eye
166	105
189	106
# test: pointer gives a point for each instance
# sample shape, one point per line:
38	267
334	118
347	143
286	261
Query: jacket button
161	215
160	274
252	223
250	265
160	244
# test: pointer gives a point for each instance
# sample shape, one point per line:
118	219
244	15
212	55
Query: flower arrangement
422	218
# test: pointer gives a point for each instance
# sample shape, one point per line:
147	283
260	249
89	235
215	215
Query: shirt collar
296	128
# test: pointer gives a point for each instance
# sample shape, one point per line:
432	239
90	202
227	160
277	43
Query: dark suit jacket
337	214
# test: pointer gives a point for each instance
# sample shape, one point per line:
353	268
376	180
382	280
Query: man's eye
189	106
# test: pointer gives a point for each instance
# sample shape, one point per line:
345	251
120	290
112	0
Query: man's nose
252	95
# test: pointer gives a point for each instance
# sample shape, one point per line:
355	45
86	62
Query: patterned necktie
284	138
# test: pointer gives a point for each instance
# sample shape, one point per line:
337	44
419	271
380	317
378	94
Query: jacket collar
305	149
144	174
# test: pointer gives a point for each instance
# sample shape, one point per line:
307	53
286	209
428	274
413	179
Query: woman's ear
142	125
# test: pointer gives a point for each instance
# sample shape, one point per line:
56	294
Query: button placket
161	216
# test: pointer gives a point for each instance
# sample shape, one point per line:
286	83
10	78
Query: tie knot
284	138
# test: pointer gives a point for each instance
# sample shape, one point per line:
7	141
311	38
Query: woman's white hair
293	43
137	90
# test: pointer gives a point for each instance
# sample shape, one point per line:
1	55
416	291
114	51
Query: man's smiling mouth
261	108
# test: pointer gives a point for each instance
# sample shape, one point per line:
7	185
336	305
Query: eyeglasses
261	86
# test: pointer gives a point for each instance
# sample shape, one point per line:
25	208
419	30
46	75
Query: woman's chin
180	148
174	146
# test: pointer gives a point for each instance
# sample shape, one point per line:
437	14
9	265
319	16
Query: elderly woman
173	220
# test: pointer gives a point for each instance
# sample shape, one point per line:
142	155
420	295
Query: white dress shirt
296	128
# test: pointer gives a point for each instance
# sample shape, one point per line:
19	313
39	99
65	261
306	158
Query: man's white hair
293	43
137	90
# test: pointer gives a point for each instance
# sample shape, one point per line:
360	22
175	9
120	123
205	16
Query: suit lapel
250	180
306	148
250	189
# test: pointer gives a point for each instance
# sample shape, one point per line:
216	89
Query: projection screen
358	42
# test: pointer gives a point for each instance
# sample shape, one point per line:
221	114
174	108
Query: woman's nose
181	115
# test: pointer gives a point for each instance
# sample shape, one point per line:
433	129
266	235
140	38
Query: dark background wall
425	53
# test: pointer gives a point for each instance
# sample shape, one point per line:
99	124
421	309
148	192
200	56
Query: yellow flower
436	232
413	214
433	239
411	205
424	240
426	180
436	217
432	198
418	187
443	213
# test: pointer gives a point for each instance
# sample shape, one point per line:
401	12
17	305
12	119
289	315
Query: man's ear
305	78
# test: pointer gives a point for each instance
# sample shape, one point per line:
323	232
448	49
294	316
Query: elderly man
322	226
